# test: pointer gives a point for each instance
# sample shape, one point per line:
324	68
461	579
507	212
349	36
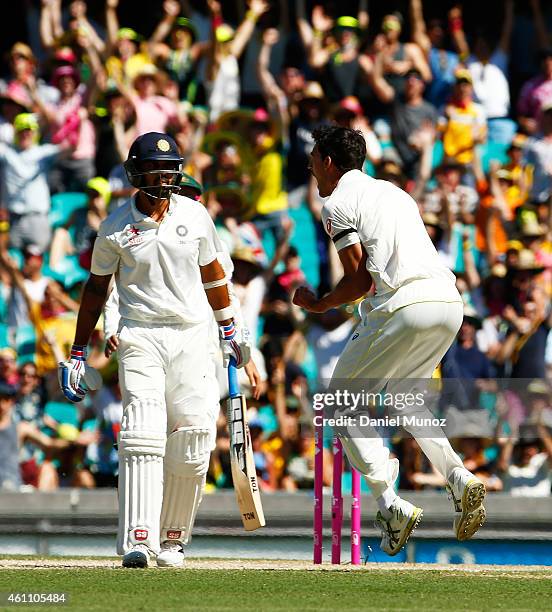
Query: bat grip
233	385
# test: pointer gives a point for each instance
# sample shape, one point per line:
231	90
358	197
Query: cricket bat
242	461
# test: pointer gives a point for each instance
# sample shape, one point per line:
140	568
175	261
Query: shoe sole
135	560
165	564
473	512
412	524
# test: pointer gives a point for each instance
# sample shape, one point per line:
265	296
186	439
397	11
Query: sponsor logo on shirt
136	236
181	230
329	225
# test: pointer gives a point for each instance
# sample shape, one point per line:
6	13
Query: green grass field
101	588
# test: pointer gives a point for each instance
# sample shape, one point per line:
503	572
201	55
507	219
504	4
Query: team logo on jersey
181	230
163	145
329	225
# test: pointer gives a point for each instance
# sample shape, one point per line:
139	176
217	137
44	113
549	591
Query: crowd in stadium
241	88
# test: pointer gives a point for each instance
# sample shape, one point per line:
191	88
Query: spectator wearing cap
410	114
340	67
522	172
538	154
23	68
85	222
536	94
154	112
349	113
488	68
227	46
25	191
71	127
442	62
396	58
180	56
455	206
464	125
124	57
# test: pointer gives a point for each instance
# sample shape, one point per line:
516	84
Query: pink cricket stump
337	500
318	490
355	518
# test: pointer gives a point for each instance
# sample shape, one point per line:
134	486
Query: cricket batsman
162	249
406	327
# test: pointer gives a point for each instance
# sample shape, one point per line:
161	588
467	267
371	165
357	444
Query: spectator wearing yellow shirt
268	197
465	125
125	60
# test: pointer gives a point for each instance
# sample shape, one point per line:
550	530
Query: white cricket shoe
171	555
397	530
467	493
137	556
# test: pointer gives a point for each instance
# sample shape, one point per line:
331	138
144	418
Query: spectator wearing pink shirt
536	94
70	126
154	113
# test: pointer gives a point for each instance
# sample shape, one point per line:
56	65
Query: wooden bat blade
242	462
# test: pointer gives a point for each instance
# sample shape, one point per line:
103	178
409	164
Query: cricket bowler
406	327
162	249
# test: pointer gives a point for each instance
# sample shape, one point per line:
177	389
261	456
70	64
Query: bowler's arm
354	284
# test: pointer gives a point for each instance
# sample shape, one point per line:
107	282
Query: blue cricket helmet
154	146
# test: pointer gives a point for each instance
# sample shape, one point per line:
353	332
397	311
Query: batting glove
234	343
72	373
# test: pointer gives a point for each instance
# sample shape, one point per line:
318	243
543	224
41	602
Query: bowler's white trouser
169	390
406	344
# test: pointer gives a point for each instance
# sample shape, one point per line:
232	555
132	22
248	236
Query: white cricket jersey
156	265
401	258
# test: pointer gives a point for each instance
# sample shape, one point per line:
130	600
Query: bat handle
233	385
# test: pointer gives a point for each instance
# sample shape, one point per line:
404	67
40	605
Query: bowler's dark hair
345	146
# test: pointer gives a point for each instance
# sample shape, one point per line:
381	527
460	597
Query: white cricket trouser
169	390
408	343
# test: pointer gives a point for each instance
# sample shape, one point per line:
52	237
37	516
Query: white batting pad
141	451
186	464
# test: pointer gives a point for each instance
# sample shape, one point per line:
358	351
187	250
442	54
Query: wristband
251	15
216	283
78	351
318	33
224	313
227	332
4	227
